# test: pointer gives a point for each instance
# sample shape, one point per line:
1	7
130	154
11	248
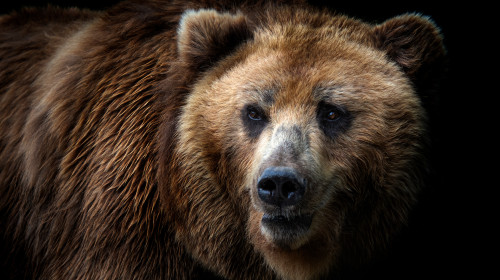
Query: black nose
281	186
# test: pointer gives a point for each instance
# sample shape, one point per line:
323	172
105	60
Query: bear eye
329	113
254	115
254	120
332	119
332	115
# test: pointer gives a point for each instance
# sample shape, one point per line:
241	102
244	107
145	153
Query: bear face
310	125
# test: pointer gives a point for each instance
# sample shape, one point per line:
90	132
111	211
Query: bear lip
285	231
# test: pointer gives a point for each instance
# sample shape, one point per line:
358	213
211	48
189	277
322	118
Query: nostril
280	186
288	189
268	185
266	189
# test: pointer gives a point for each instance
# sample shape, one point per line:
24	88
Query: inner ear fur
415	43
205	36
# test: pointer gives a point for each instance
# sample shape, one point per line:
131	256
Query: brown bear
180	139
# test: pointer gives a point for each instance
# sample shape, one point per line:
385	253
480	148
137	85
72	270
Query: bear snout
281	193
281	186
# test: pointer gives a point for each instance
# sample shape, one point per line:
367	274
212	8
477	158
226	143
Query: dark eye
332	115
254	114
329	113
332	119
254	120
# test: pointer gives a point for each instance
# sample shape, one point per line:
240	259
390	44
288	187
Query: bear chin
286	232
294	247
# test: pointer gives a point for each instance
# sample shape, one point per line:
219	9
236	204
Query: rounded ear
415	44
205	36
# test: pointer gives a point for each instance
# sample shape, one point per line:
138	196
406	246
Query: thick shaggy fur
123	154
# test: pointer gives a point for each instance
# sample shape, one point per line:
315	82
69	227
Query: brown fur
123	155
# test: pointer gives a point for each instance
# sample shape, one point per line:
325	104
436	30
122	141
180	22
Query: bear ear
415	44
205	36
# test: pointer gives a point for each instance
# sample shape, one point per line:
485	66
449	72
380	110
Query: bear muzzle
280	192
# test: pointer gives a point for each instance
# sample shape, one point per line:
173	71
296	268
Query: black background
451	232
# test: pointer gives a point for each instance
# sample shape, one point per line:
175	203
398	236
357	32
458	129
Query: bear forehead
343	68
324	56
306	48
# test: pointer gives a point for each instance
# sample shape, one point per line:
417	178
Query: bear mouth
285	231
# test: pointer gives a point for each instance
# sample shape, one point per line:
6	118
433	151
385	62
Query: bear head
293	137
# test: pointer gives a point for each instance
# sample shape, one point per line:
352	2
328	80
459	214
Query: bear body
172	140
